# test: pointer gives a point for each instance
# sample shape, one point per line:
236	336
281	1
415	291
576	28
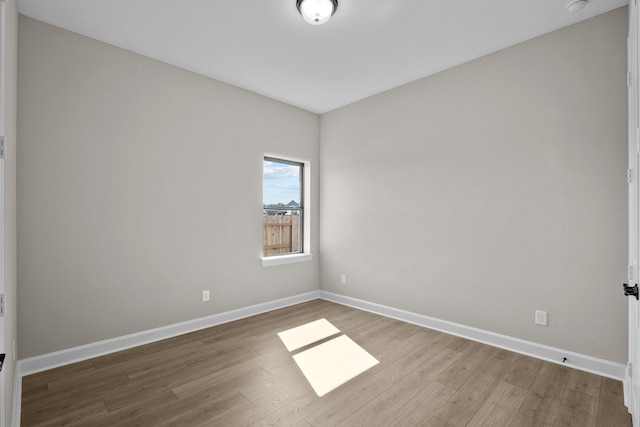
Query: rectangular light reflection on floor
333	363
308	333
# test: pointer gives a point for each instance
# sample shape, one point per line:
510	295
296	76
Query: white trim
631	397
44	362
626	392
586	363
285	259
582	362
17	396
3	111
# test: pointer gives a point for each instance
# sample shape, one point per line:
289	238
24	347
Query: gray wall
140	185
476	195
490	190
10	248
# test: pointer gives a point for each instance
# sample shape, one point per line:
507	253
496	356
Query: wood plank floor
240	374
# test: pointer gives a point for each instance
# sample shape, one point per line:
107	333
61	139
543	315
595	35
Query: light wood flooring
240	374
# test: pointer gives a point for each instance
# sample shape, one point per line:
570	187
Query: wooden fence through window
281	234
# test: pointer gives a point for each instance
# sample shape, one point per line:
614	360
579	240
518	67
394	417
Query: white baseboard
44	362
582	362
586	363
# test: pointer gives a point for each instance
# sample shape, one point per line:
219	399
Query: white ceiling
265	46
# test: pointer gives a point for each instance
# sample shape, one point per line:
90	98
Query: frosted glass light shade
576	5
316	12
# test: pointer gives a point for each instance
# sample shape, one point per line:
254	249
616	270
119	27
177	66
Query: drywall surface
10	245
490	190
139	186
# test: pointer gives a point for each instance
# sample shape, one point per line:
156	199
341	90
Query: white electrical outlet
205	296
343	279
541	318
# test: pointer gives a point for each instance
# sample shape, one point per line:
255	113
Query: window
283	214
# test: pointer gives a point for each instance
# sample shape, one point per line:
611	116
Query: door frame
632	386
3	343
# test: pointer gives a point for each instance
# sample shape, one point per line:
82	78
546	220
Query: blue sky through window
281	183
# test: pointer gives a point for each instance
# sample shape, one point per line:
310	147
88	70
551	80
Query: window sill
285	259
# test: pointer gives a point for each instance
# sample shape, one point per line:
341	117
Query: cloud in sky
273	170
281	183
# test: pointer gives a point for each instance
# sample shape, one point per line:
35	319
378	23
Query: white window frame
305	255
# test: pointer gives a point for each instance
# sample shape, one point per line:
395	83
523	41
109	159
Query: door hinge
631	291
629	176
629	78
3	147
2	304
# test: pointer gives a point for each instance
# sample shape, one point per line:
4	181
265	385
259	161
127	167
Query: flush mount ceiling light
576	5
317	12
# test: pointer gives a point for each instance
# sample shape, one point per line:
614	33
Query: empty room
319	213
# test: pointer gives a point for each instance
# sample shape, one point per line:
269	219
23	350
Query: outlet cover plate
541	318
